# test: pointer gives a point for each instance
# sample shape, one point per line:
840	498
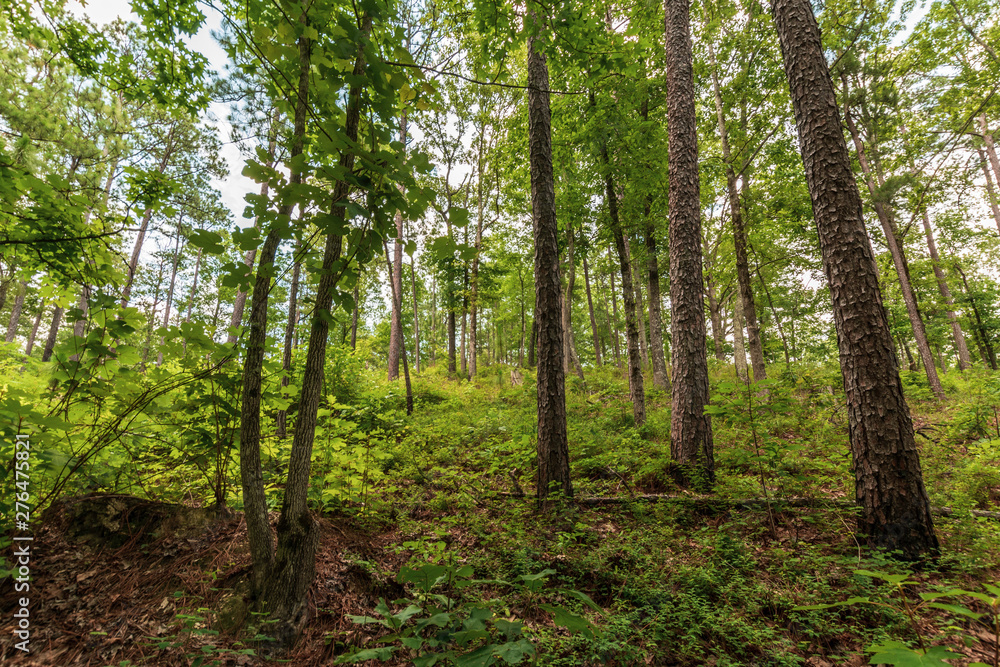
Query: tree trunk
293	568
590	308
964	360
990	356
239	304
570	361
396	323
745	292
552	444
416	317
614	311
34	330
254	499
15	313
739	351
474	285
170	290
714	308
50	340
286	352
897	253
640	316
690	427
354	319
531	343
168	150
661	378
990	192
895	510
991	150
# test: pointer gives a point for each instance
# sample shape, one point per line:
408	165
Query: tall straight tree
552	447
690	427
895	510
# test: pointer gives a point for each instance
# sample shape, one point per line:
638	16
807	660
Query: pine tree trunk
714	308
552	444
690	427
661	378
739	348
569	360
640	315
895	510
897	253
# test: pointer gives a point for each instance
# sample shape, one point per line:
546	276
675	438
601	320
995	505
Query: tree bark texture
690	427
895	511
552	446
50	340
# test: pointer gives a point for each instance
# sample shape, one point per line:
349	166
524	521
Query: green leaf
815	607
957	609
513	653
569	620
898	579
383	654
900	655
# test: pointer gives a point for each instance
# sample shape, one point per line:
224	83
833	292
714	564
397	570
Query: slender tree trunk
194	286
170	291
991	150
714	309
964	360
991	194
34	330
590	308
416	317
640	315
690	427
396	323
286	352
15	313
474	284
354	319
50	340
570	362
254	499
897	253
614	311
239	304
774	314
552	444
745	292
739	351
990	356
661	378
531	344
293	569
895	509
168	150
83	301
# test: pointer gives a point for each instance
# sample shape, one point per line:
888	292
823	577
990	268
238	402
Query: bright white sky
235	186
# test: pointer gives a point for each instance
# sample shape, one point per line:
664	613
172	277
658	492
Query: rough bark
690	427
552	444
254	500
896	252
745	293
895	510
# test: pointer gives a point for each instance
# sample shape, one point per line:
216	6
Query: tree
552	447
889	488
690	427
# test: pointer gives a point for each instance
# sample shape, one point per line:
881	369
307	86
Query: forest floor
681	581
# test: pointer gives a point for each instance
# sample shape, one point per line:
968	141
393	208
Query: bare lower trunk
286	352
552	446
690	428
50	340
895	510
614	312
983	339
170	292
739	352
990	192
15	313
964	360
661	378
34	331
416	317
714	308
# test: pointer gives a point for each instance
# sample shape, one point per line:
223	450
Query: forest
422	332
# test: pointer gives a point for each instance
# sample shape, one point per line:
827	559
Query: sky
234	186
